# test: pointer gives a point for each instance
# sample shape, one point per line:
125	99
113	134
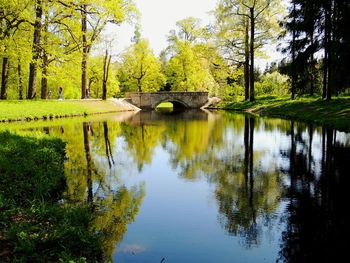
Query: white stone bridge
150	100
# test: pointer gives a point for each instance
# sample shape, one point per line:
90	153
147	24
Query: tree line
53	42
318	46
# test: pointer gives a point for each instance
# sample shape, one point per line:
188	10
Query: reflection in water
113	205
109	153
276	188
317	221
247	195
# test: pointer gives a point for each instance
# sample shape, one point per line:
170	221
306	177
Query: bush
273	84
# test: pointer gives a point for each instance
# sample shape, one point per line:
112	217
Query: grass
34	227
334	113
40	109
165	105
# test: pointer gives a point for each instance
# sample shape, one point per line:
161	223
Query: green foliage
95	78
186	71
273	84
194	64
61	43
140	70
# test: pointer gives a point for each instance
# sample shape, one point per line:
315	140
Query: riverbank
35	227
51	109
333	114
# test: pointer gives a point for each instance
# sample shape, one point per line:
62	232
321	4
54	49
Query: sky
158	17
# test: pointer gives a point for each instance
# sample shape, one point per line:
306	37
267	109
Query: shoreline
331	114
57	109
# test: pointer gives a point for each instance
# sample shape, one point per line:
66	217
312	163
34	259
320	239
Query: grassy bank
40	109
335	113
34	227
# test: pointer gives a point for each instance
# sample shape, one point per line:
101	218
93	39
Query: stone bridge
150	100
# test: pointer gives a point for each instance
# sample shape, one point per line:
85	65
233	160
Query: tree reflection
317	222
306	177
141	141
109	152
246	196
113	206
113	210
88	162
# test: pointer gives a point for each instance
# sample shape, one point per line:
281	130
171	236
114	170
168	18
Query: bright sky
158	17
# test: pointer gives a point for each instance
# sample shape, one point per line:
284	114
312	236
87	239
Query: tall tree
260	19
140	69
36	49
318	27
11	17
232	36
192	60
95	15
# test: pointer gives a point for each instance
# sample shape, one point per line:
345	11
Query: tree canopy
50	44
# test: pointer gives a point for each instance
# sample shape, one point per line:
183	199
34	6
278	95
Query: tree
317	27
94	17
232	37
260	19
140	70
12	15
36	49
189	29
189	67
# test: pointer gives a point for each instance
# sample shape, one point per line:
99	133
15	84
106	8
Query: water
209	186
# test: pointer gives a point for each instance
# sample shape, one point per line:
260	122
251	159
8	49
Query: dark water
210	187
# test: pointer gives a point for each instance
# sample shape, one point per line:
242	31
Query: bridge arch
177	104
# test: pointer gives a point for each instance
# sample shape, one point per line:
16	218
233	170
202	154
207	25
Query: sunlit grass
165	105
39	109
334	113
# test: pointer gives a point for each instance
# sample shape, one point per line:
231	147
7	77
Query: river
209	186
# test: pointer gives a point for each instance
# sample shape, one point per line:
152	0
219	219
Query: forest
48	44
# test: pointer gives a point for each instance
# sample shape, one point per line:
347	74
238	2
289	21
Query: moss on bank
334	113
34	227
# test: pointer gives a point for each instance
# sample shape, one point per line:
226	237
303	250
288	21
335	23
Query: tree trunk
329	51
45	63
325	72
294	78
44	78
20	80
246	62
4	77
106	64
85	52
33	67
252	39
139	86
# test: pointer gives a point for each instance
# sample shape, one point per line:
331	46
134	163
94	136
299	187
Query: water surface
209	187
